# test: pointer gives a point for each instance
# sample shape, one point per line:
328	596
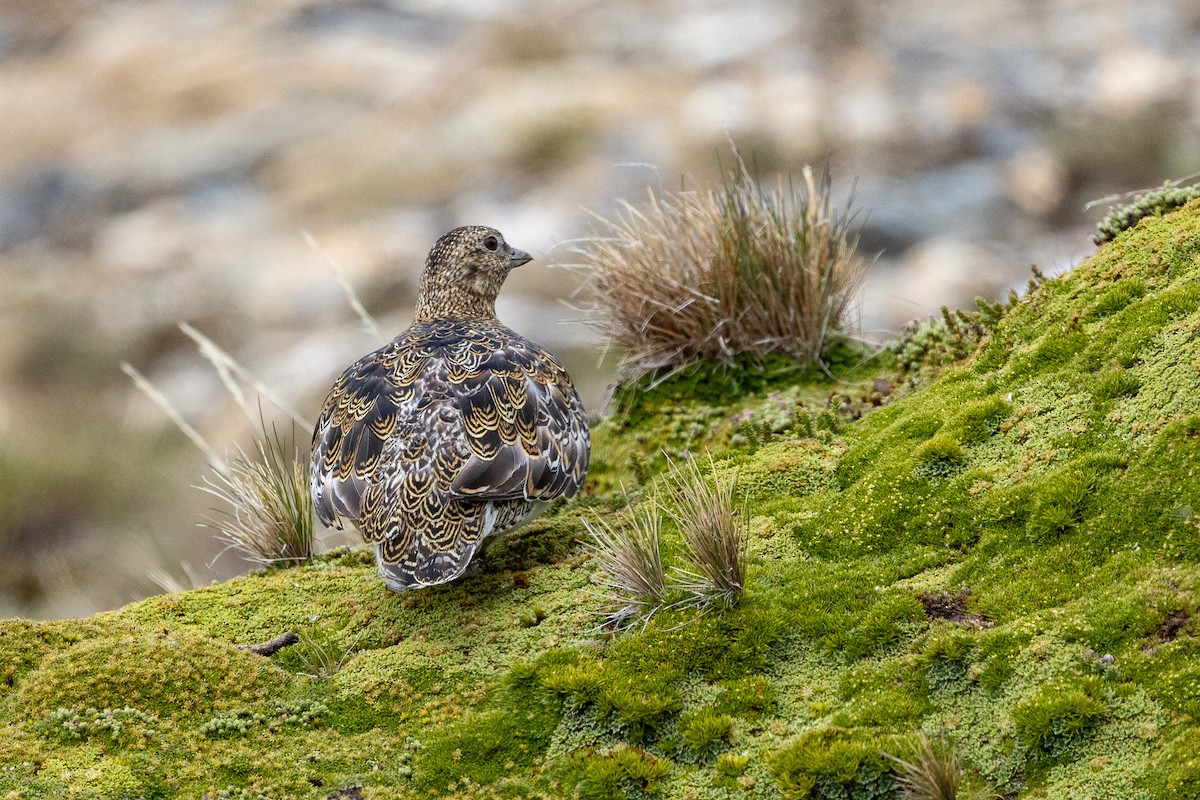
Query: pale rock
1036	181
1127	81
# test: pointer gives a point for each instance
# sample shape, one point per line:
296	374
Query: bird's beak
518	257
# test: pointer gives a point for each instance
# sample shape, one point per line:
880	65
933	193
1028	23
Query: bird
454	433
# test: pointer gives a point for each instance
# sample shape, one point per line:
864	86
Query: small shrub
279	714
117	727
270	516
944	340
714	535
321	655
711	275
1150	203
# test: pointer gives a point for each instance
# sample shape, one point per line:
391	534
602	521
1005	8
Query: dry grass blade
150	390
230	372
369	323
270	515
930	775
632	578
710	275
269	518
713	531
172	581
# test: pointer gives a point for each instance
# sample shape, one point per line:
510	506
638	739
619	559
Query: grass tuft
270	516
710	275
321	655
713	532
632	578
933	773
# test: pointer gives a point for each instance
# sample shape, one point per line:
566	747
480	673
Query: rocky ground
160	161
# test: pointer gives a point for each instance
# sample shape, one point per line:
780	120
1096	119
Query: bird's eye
491	243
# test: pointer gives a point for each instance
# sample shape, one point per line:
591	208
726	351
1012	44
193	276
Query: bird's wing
438	415
359	416
524	425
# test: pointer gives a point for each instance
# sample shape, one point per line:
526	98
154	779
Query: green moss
1056	716
641	713
829	763
544	541
622	773
678	644
750	697
1181	764
167	673
1117	297
1117	383
640	701
1060	502
732	765
1031	464
581	682
891	695
940	456
979	420
705	732
484	747
715	384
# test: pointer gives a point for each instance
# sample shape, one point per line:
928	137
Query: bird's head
464	272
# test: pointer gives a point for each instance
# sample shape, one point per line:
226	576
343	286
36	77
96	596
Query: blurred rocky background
160	161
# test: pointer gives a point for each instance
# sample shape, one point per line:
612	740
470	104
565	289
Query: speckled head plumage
455	432
464	272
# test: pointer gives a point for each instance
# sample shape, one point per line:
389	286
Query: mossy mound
1001	553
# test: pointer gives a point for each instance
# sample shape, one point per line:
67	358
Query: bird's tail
423	566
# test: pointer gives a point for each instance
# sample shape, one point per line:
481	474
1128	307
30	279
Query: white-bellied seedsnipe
456	431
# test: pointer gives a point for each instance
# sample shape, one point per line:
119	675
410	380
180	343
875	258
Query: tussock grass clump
633	582
713	531
932	773
629	551
710	275
270	515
